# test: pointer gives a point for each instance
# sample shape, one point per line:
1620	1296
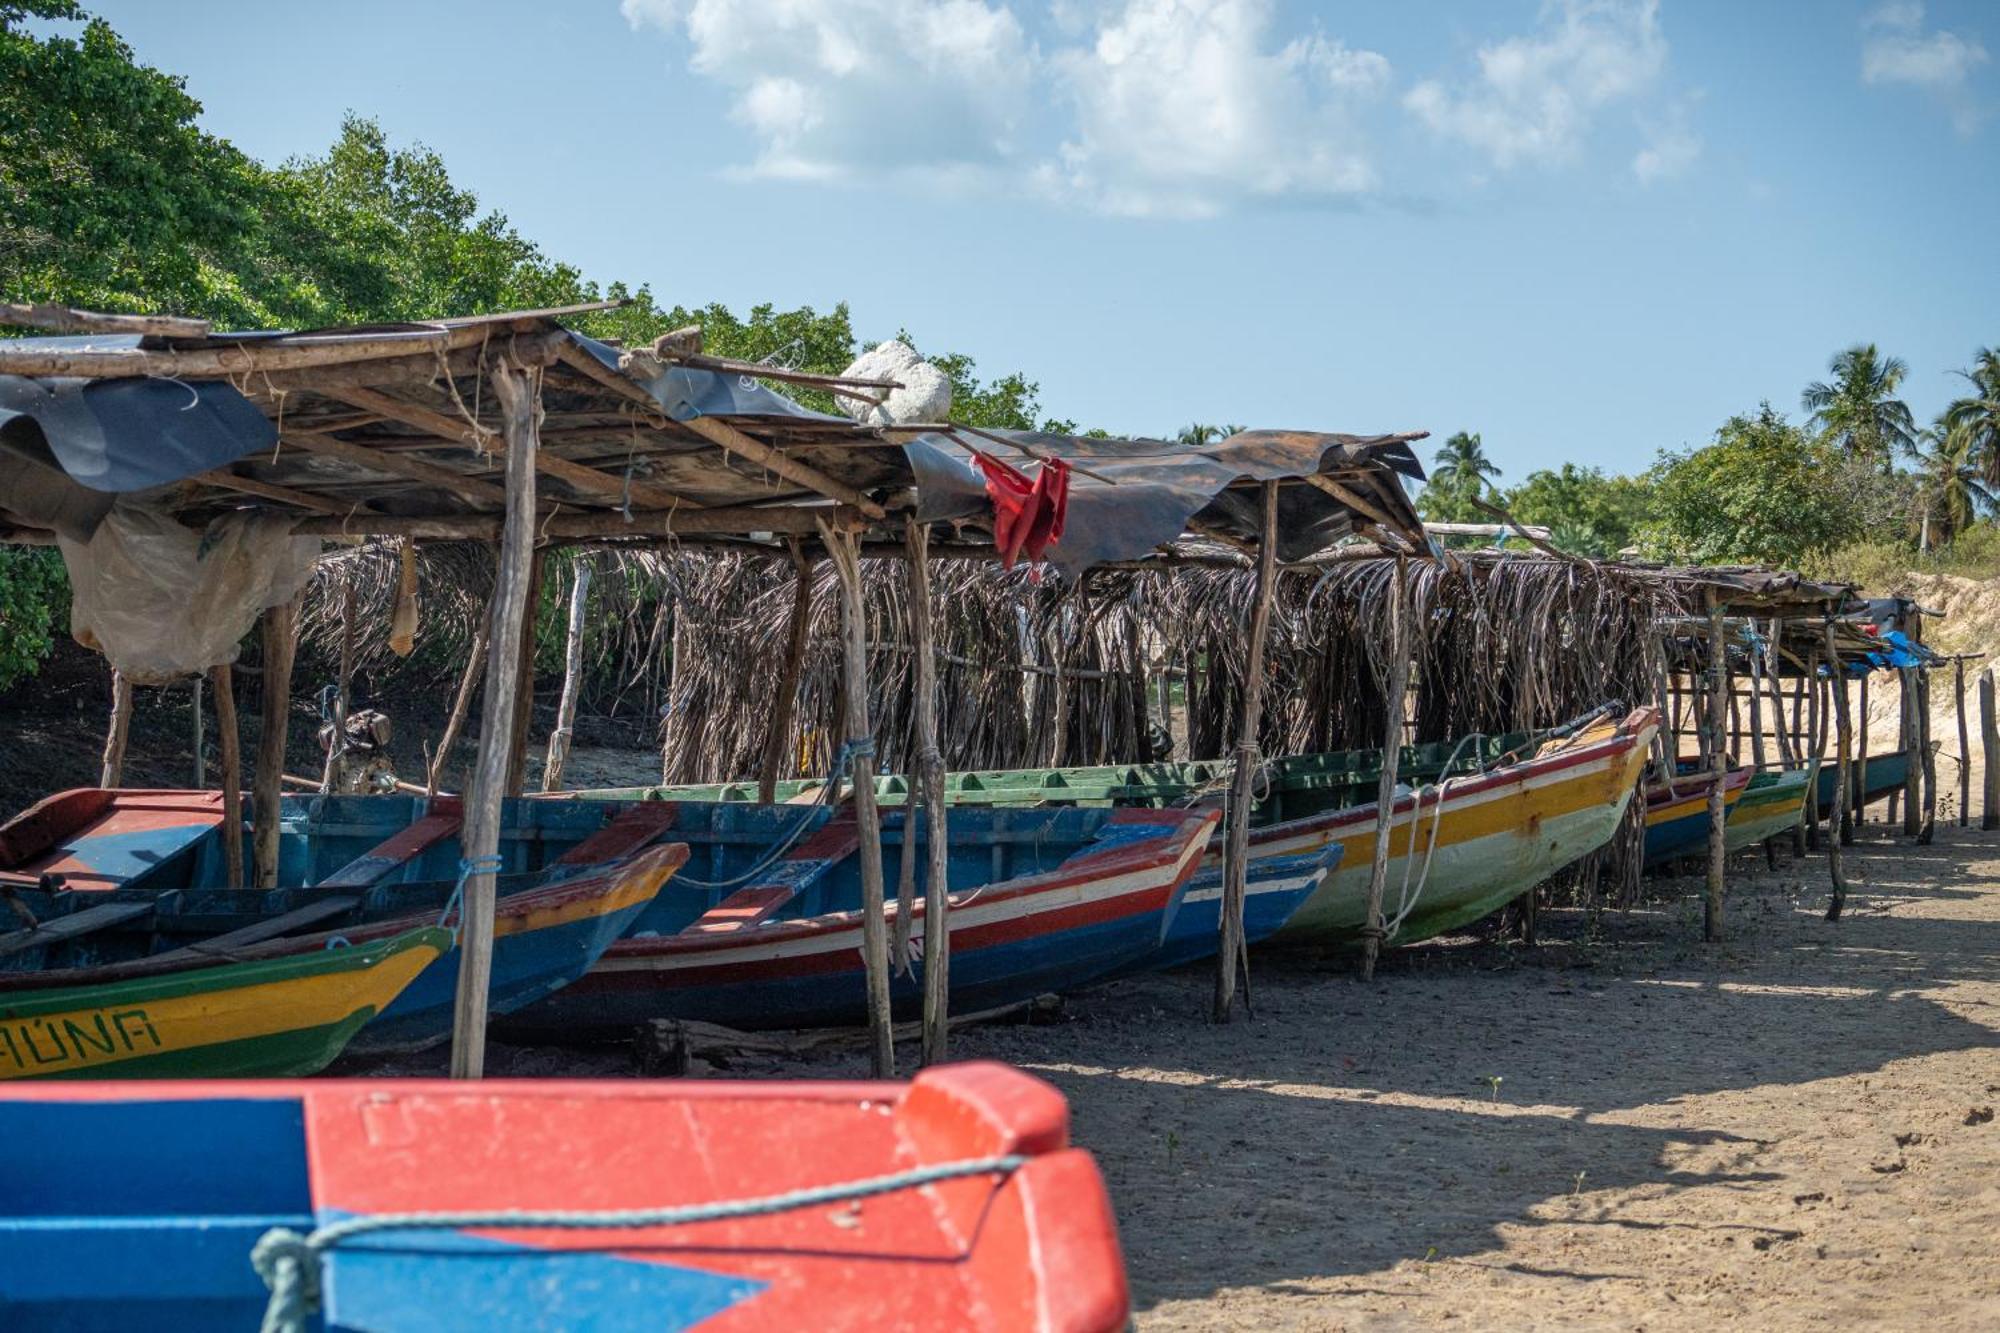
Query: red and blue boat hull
142	1204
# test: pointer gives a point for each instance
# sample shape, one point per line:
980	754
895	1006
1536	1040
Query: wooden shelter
511	429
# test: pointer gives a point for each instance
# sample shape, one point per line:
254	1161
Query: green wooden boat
1292	787
1769	806
277	1018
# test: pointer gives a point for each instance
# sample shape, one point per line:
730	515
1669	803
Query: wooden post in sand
519	390
229	763
524	692
200	759
111	773
1232	950
929	770
1989	753
1718	688
1372	932
1844	729
280	644
1964	743
845	548
344	691
1857	800
461	703
778	740
565	728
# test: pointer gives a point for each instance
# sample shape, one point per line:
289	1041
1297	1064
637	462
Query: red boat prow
1034	1249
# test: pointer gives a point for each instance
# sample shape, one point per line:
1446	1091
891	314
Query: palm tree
1951	488
1977	416
1462	467
1197	434
1858	410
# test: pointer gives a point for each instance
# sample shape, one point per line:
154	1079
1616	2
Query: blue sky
1589	229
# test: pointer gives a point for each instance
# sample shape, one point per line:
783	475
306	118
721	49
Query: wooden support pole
111	773
461	704
524	690
565	729
1397	647
200	759
229	763
1989	753
344	687
1718	689
1844	729
1927	825
929	770
778	740
1964	743
1858	799
1757	757
280	646
518	390
1232	950
1788	754
1913	769
845	549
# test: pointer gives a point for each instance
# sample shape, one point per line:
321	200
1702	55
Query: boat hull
1770	805
1275	888
270	1019
164	1190
1887	773
1009	942
1677	814
1490	840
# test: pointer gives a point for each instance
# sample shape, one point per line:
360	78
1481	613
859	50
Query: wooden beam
280	644
778	739
929	791
1232	948
601	485
519	392
726	521
221	362
111	773
1718	753
1373	932
846	553
572	685
1843	732
229	754
65	319
1352	499
400	465
284	494
723	435
524	686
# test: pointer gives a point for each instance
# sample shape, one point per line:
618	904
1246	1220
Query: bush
33	592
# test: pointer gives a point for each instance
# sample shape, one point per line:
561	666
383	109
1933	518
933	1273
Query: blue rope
843	762
467	868
290	1263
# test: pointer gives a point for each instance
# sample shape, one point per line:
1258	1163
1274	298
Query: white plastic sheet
162	601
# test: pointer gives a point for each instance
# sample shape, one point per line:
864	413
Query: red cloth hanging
1027	514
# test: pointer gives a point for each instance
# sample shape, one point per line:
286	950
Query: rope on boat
290	1263
491	864
843	762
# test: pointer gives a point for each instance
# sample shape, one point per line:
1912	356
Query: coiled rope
290	1263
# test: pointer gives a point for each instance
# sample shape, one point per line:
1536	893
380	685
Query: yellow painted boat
277	1018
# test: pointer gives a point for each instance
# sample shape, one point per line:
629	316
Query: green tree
1585	510
1950	487
33	587
1977	414
1765	491
1858	410
1460	473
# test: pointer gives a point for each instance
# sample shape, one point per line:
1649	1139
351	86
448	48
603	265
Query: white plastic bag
163	601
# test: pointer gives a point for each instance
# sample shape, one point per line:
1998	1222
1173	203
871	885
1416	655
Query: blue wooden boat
371	867
140	1206
764	927
1886	773
1677	813
1274	889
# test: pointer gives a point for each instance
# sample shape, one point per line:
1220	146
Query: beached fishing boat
1770	805
765	928
141	1207
1677	812
1886	773
1511	810
272	1018
372	866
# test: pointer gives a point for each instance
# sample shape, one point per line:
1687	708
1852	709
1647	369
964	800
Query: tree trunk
565	729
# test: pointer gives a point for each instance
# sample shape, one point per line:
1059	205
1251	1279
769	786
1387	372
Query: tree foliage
1763	492
1858	411
1976	415
1587	511
1460	474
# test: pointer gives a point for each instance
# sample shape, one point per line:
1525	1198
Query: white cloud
1898	50
1185	107
1671	147
1535	97
841	87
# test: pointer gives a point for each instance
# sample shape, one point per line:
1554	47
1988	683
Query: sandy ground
1620	1129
